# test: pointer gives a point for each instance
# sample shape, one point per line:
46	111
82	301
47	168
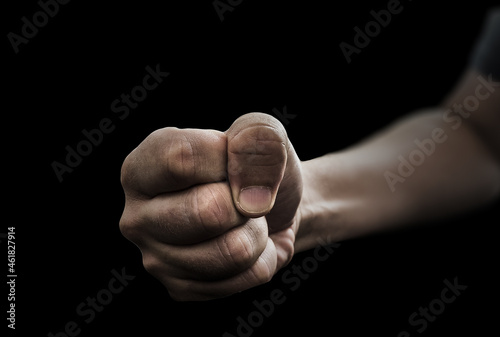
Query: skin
215	213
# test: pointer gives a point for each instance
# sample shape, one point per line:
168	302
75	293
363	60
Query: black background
264	55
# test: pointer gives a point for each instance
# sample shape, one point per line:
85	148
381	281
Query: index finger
172	159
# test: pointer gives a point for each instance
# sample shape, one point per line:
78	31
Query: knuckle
240	248
127	175
265	275
133	163
151	264
263	271
237	251
214	203
175	151
130	226
158	136
180	157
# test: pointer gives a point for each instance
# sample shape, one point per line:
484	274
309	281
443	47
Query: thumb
256	161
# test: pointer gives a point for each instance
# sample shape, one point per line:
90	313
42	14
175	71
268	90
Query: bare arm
431	164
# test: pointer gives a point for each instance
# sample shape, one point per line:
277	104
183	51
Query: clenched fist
214	213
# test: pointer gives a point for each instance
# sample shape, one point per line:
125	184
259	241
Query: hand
213	213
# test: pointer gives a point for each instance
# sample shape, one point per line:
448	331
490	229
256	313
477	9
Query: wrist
320	210
344	197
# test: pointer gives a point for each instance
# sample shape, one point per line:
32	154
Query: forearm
390	180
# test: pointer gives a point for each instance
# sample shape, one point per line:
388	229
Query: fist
213	213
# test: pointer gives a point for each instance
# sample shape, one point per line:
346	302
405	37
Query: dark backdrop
264	55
